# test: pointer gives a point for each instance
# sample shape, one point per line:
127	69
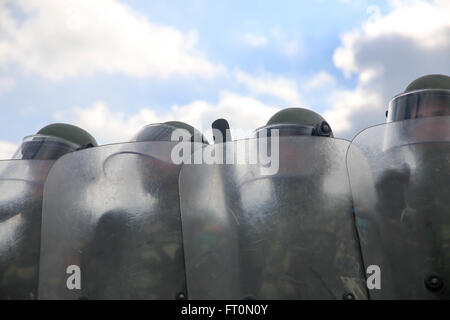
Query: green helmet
70	133
298	121
53	141
163	132
427	96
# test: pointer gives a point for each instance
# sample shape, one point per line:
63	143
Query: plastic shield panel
400	179
21	187
278	229
112	225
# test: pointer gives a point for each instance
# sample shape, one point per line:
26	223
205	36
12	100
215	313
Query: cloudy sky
113	66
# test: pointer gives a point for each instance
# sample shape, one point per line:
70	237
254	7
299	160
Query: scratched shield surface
400	178
252	233
21	188
113	211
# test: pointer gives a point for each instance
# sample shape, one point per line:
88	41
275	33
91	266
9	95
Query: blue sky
112	66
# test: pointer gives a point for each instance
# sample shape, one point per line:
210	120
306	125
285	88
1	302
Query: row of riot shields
297	217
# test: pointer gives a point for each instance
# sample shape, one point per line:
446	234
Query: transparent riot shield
278	229
400	180
21	187
111	225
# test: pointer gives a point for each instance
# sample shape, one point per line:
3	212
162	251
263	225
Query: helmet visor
41	147
419	104
285	130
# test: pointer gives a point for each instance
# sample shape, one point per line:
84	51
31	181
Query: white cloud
424	23
255	40
63	38
387	53
418	20
344	57
346	103
7	150
276	86
320	80
289	44
107	125
244	114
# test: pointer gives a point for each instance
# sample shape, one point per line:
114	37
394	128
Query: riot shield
111	225
21	187
400	177
254	233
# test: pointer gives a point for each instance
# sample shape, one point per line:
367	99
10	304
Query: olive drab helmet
427	96
164	132
53	141
297	122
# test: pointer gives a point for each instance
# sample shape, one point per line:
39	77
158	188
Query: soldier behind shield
21	188
300	237
414	232
136	251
